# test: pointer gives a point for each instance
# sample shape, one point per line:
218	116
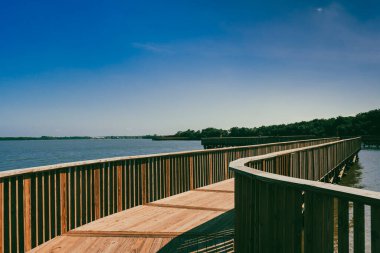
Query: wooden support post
167	178
27	213
210	169
143	182
119	187
63	201
191	162
226	166
97	193
359	227
343	228
375	229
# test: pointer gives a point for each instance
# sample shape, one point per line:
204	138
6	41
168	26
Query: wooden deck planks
198	220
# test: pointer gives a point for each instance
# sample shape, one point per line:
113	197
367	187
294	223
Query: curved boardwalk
201	220
277	205
170	202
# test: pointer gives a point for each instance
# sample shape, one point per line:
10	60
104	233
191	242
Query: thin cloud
151	47
319	9
321	35
330	36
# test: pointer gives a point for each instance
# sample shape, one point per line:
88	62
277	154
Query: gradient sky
144	67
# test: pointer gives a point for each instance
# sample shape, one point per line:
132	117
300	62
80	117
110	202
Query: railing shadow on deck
216	235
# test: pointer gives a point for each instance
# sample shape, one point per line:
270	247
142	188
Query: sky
156	67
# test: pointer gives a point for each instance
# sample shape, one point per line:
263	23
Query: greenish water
366	173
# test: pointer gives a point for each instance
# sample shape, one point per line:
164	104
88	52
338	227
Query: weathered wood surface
38	204
198	220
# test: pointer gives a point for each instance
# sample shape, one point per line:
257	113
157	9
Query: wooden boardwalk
201	220
41	203
153	203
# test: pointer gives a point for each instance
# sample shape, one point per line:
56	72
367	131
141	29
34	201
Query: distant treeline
367	123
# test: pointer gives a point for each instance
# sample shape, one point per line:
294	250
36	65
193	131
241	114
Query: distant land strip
72	138
362	124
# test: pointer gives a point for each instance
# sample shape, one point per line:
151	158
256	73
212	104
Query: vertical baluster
143	182
119	187
375	228
191	172
358	227
96	190
27	213
167	172
63	203
343	229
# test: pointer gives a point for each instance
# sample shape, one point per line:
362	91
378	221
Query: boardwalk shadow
216	235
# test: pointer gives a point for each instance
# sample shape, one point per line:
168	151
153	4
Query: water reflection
353	177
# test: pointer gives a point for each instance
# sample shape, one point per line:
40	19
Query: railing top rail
16	172
264	136
242	161
353	194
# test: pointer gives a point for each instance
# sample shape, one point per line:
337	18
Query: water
365	175
24	154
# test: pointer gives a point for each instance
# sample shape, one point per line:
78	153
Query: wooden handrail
271	199
38	204
15	172
367	197
217	142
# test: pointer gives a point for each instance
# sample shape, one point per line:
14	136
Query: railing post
375	228
119	187
225	165
167	178
343	227
292	171
97	193
210	168
63	194
143	183
191	164
359	239
27	213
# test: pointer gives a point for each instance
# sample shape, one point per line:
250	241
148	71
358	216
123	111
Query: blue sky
144	67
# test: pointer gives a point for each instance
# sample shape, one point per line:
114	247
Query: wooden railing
278	210
38	204
220	142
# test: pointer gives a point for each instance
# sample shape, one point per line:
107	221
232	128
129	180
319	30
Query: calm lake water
366	175
25	154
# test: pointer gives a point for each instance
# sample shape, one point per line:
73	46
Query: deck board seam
213	191
145	234
189	207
